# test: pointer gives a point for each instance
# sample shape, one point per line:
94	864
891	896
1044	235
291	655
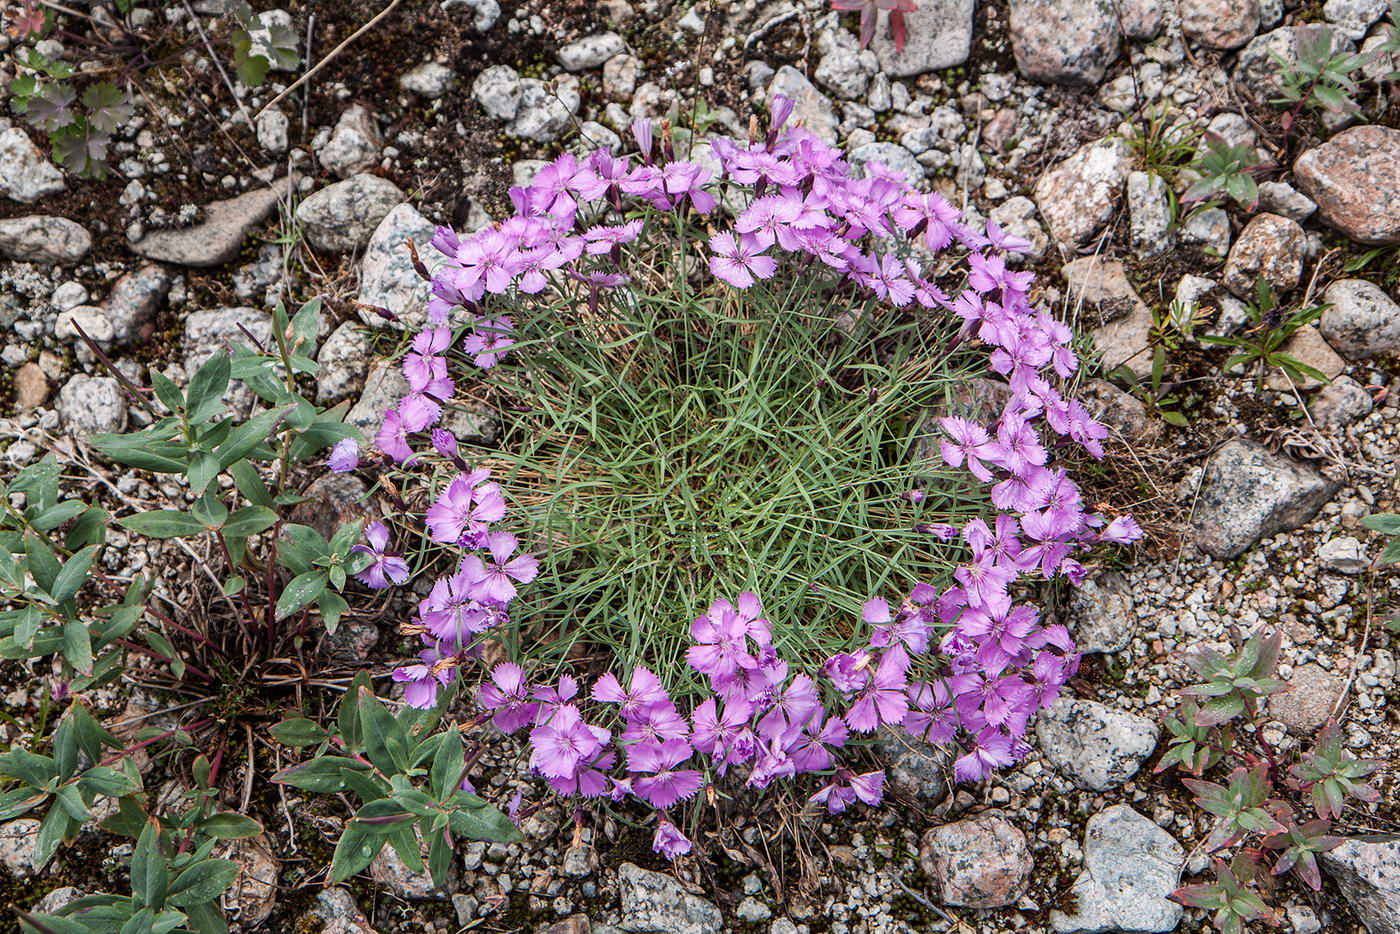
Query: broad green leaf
243	439
477	820
77	646
348	713
355	851
204	467
43	563
55	516
299	731
250	520
324	774
163	523
202	882
90	529
74	573
149	873
301	590
210	381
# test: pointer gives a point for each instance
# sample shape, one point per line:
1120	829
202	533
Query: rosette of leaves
1228	897
1193	747
1234	684
1331	774
1228	169
1241	807
1319	78
1299	846
409	779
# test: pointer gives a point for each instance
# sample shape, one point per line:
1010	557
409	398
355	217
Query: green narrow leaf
299	731
356	850
203	882
149	873
163	523
75	572
250	520
77	646
300	591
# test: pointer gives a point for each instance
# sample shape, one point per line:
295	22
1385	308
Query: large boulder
1130	867
26	172
1078	196
1219	24
44	239
938	35
387	277
1249	493
655	903
1362	322
219	236
1094	746
341	217
1355	179
980	862
1369	876
1064	41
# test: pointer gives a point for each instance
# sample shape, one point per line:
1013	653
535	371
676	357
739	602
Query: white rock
90	405
387	277
1094	746
1078	196
591	51
1354	17
546	111
354	145
26	174
1150	214
342	216
429	80
498	89
1130	867
1344	554
272	130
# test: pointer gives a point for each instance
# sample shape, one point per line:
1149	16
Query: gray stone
272	130
1017	216
1283	199
1208	229
43	239
1270	246
938	35
892	156
1249	493
1064	41
336	908
90	405
84	319
68	295
544	115
216	330
1143	19
1130	867
847	72
1078	196
344	360
1363	321
1094	746
393	873
621	73
57	900
1234	129
979	862
18	841
343	216
1369	877
914	767
354	145
387	277
26	173
1103	287
483	13
1220	24
1102	611
655	903
498	89
216	239
591	51
385	384
1344	554
1307	705
811	108
429	80
131	305
1354	17
1307	346
753	910
254	893
1340	403
1150	214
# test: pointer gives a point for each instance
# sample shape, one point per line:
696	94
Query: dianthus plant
775	235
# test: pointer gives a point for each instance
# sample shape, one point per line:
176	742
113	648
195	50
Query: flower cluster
965	666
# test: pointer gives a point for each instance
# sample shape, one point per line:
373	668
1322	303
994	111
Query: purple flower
344	456
423	681
385	568
646	692
737	261
664	784
493	581
393	437
468	504
885	699
508	696
990	750
968	441
668	841
489	341
559	746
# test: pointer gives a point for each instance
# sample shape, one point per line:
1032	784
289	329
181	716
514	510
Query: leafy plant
278	44
1270	327
1225	168
378	757
1262	806
1163	145
1319	78
79	125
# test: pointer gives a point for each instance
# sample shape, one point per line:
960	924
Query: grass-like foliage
685	441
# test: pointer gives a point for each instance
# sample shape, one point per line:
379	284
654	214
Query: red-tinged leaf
897	30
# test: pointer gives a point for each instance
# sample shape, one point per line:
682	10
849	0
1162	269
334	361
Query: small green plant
1163	145
1261	808
79	124
279	45
1319	79
377	757
1390	46
1270	326
1225	168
